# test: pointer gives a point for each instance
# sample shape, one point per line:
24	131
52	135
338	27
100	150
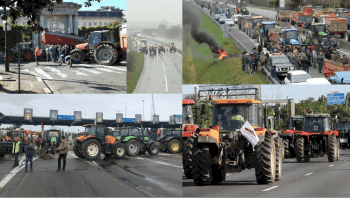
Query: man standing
263	61
15	151
251	63
320	61
314	58
274	74
260	48
63	148
47	53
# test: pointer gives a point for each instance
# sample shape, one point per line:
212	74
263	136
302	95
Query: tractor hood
322	34
81	46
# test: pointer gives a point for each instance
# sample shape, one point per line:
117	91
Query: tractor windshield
292	35
269	26
53	134
319	28
316	124
187	117
90	131
296	124
124	132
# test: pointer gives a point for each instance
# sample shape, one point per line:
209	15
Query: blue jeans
306	68
30	159
278	80
320	65
16	160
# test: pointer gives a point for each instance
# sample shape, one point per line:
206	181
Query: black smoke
194	21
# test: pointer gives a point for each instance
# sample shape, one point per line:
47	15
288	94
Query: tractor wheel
342	35
187	157
153	149
332	148
204	172
77	56
132	147
118	150
338	150
287	153
174	146
300	151
106	54
77	150
279	158
91	149
28	56
265	170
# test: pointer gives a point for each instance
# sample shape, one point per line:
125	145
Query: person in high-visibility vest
37	55
15	151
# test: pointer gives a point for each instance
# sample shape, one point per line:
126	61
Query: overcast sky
89	104
96	5
155	10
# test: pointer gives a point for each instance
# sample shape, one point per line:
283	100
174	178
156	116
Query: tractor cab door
95	38
101	132
111	37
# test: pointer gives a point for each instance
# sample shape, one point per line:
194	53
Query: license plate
343	140
283	74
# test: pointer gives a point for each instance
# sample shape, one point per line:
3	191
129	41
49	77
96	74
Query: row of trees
174	32
21	33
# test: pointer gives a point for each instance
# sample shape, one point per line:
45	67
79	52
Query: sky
96	5
297	92
89	104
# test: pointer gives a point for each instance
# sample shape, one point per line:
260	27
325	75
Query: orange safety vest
37	52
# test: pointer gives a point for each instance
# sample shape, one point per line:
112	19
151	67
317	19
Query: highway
318	178
139	176
160	74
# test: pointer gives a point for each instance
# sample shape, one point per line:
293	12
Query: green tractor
317	31
171	141
137	140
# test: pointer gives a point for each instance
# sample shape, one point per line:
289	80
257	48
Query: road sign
99	117
172	120
138	119
53	114
77	116
65	117
155	119
335	98
178	119
119	118
225	34
128	119
225	28
28	114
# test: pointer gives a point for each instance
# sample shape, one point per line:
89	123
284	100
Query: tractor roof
268	22
317	115
237	101
296	117
186	101
287	30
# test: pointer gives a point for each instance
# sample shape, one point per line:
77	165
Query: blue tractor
290	37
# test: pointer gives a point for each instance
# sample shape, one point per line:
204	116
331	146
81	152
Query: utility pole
143	104
4	20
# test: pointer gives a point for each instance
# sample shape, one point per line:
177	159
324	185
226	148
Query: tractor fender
286	135
128	138
84	140
105	42
207	139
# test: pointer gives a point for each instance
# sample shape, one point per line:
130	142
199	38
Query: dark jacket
273	72
63	148
29	150
260	48
251	62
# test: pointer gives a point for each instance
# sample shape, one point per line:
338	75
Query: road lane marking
58	72
90	70
178	54
163	66
308	174
36	75
92	162
80	73
166	84
111	67
140	158
43	73
330	165
107	70
273	187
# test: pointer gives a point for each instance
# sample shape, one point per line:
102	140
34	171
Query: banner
249	133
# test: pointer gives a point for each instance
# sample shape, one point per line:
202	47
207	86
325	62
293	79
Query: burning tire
77	150
77	56
153	149
265	170
187	157
91	149
300	152
174	146
118	150
279	158
332	151
106	54
132	147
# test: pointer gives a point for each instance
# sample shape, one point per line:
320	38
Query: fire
222	54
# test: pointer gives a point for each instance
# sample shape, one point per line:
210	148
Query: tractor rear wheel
279	157
286	148
300	151
187	157
265	170
106	54
332	148
77	56
132	147
118	150
91	149
77	150
153	149
174	146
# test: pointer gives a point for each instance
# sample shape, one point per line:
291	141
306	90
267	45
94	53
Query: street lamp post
143	114
4	21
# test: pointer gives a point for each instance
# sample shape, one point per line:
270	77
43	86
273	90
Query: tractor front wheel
174	146
77	56
187	157
265	170
132	147
106	54
118	150
91	149
332	148
153	149
301	154
28	56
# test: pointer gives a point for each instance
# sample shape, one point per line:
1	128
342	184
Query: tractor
152	50
288	135
224	147
50	142
102	46
171	141
343	127
172	47
26	52
96	141
137	140
22	134
316	139
264	31
161	48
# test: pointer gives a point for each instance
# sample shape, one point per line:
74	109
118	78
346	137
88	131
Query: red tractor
317	139
288	135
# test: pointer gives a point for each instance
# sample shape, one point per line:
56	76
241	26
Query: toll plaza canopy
146	124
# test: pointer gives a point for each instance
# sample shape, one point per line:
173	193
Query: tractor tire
287	153
153	149
187	157
118	150
204	172
91	149
77	56
338	150
28	56
106	54
300	151
132	147
174	146
279	157
77	150
332	148
342	35
265	170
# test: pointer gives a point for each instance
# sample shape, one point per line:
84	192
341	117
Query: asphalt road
140	176
314	179
80	78
162	74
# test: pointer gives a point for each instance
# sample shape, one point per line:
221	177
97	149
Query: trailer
299	18
54	38
330	67
336	26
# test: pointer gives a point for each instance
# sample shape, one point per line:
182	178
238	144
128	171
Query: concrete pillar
76	24
70	24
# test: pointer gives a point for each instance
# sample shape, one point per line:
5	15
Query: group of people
30	150
51	53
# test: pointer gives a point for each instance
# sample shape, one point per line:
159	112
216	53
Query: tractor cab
296	122
265	26
97	37
52	137
316	123
16	133
114	133
96	131
172	133
290	37
187	117
317	30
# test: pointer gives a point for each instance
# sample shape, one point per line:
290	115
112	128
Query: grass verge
135	66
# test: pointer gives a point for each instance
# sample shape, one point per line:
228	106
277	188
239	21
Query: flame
222	54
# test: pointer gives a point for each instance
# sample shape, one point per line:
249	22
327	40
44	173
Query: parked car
282	63
296	77
317	81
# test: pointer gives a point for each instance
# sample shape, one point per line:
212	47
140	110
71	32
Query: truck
336	26
347	33
240	8
340	78
263	33
283	15
288	135
241	20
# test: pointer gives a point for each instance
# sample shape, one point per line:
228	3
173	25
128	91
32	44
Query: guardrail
240	45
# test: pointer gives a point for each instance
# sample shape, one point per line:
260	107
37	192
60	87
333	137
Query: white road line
36	75
80	73
140	158
43	73
330	165
163	66
8	177
58	72
166	84
107	70
111	67
178	54
308	174
90	70
92	162
273	187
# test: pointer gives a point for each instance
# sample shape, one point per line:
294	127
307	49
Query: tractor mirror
203	109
